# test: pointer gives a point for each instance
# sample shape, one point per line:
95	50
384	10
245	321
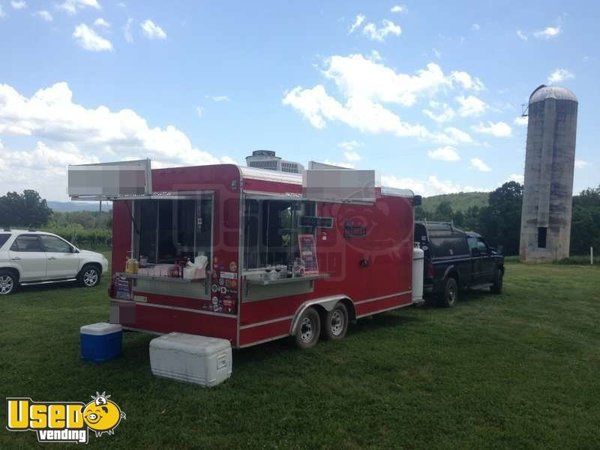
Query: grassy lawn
517	370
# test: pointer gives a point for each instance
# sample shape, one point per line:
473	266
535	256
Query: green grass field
517	370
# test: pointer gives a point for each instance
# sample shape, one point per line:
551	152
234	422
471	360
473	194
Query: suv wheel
450	294
498	279
8	282
89	276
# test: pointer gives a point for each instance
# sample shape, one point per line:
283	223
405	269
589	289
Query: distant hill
459	202
78	206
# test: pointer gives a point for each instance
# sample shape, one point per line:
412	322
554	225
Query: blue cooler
101	341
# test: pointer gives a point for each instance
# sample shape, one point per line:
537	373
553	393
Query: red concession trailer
272	254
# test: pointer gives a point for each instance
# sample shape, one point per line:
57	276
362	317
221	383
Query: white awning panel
110	181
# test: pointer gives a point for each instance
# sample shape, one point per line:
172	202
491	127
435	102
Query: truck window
271	229
449	245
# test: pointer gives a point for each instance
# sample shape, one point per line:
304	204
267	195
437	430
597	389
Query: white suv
35	257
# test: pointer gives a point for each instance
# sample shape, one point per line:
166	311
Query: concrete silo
549	165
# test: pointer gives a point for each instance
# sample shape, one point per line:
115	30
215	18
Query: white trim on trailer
281	336
374	299
266	322
176	308
383	310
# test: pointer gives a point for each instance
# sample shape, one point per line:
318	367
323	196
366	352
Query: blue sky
428	93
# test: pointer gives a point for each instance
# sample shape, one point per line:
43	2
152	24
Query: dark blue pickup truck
456	260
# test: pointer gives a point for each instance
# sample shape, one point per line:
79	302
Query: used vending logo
64	421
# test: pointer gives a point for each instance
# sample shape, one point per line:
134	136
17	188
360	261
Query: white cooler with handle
196	359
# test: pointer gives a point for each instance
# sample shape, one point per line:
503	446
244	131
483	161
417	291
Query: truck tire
336	323
449	296
89	275
9	281
308	330
498	280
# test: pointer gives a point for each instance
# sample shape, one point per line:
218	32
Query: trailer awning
110	181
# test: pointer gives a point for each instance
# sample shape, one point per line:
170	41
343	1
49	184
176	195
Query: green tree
24	210
500	222
585	224
443	212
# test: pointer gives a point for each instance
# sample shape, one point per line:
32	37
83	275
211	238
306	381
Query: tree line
500	221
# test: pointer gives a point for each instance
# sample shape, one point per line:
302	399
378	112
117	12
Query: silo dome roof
558	93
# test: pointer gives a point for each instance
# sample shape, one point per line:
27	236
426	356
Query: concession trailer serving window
271	230
169	230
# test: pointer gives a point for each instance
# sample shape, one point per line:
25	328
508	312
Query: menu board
308	253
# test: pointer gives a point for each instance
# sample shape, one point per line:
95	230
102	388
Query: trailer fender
327	303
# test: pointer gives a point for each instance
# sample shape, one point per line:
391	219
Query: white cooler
202	360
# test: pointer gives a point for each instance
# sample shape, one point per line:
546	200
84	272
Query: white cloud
498	129
72	132
101	23
547	33
357	76
478	164
465	80
349	145
580	164
437	53
127	33
366	85
439	112
470	106
522	35
475	27
458	136
521	121
352	156
358	21
199	111
44	15
319	107
379	34
559	75
88	39
219	98
430	186
446	153
152	30
398	9
18	4
72	6
519	178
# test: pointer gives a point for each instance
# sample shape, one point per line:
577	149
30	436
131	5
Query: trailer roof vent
267	159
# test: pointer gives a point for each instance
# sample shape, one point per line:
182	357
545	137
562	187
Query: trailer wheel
336	323
309	328
450	295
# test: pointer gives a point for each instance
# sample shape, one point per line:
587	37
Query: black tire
450	295
498	281
336	323
309	329
9	281
89	275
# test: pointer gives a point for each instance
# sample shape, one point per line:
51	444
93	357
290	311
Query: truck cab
456	260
